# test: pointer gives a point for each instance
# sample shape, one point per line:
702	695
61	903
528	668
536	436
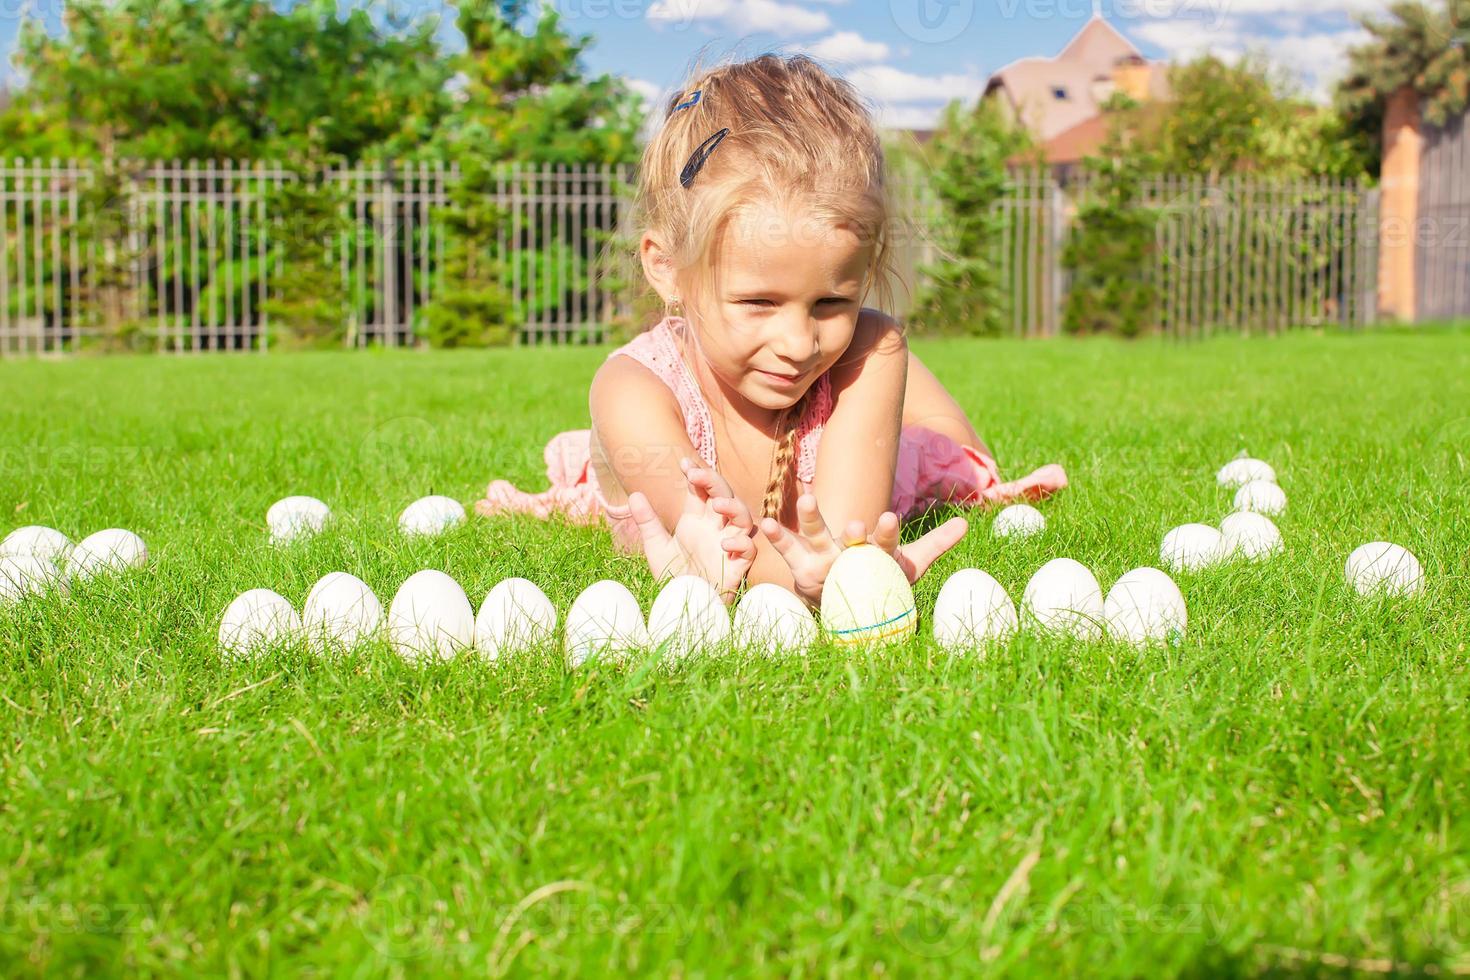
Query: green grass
1286	790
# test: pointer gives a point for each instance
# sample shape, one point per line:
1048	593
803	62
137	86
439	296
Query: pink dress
932	468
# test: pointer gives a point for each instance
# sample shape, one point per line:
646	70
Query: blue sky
908	56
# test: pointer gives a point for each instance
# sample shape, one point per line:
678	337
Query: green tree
471	306
1225	118
1419	46
1111	244
524	96
221	79
966	167
308	307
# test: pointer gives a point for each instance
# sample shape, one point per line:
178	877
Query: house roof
1082	140
1053	95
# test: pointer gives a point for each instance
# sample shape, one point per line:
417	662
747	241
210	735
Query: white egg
772	620
688	618
1386	568
37	542
1261	497
430	617
972	612
1018	521
340	612
431	515
1064	597
515	617
1191	547
1145	607
867	598
1248	535
1239	472
605	620
113	550
25	575
295	517
257	619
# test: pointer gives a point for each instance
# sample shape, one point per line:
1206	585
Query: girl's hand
916	556
811	552
712	536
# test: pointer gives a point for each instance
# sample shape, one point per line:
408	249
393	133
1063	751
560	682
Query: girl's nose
796	341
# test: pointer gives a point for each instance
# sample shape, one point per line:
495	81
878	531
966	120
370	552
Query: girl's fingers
885	535
856	532
735	567
656	539
710	481
811	525
918	556
789	546
737	544
734	511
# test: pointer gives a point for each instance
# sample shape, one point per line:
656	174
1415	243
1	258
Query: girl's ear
658	266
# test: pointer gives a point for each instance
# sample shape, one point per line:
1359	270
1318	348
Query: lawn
1288	789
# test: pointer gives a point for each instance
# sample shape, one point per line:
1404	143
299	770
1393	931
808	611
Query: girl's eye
755	302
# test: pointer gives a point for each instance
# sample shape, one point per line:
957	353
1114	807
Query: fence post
1057	226
1368	241
388	256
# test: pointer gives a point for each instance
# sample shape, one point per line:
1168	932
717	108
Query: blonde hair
797	136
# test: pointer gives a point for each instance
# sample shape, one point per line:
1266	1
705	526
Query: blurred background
236	175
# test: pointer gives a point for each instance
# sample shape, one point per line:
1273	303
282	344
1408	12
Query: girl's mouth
782	380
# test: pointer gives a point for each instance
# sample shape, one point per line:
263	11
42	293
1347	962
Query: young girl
769	419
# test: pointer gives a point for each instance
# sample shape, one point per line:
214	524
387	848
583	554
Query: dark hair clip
699	156
693	100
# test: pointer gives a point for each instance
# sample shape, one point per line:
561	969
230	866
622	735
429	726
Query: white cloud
848	47
907	100
650	92
1215	12
1317	57
908	117
886	84
745	16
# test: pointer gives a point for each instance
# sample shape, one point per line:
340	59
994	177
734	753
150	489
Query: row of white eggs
293	517
1376	567
34	559
1257	493
1248	533
1191	547
430	616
